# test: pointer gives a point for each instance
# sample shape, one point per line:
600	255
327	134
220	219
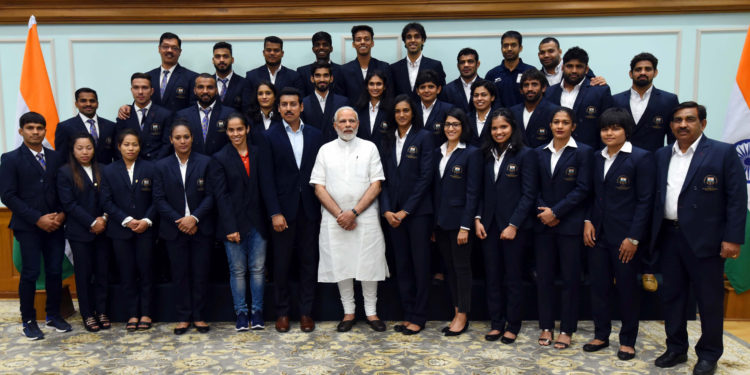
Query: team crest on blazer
541	133
383	127
710	182
658	122
437	127
622	182
180	91
146	184
221	126
155	129
591	111
201	184
457	171
108	141
511	170
571	173
411	152
237	100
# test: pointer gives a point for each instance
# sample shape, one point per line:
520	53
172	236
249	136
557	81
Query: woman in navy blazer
373	104
457	169
406	204
183	199
504	220
564	172
483	94
126	191
617	221
79	190
263	112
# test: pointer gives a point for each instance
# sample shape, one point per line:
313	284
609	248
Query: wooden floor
739	328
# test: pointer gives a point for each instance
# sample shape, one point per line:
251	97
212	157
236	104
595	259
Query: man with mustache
577	93
322	46
322	103
535	113
207	118
103	130
272	70
550	56
458	91
347	177
507	75
231	87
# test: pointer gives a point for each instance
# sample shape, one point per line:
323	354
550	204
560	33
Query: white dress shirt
498	162
553	79
608	160
413	69
89	172
272	75
297	141
219	84
568	98
373	114
426	111
527	116
266	119
183	172
638	104
130	218
322	100
161	77
400	144
467	88
203	114
676	174
480	124
447	155
556	154
86	124
139	113
364	73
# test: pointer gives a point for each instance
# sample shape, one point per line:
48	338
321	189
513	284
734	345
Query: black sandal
561	344
91	324
104	321
131	326
546	342
143	326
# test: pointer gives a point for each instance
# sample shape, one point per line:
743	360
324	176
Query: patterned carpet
361	351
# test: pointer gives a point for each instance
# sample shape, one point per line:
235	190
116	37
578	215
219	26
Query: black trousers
604	268
549	247
457	260
134	258
503	264
411	247
91	266
681	269
190	259
298	242
38	245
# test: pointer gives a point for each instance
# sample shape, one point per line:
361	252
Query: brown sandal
104	321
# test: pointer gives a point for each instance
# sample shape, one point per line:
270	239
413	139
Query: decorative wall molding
198	11
698	39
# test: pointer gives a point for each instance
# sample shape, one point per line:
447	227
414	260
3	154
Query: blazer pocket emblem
383	127
457	172
155	129
622	182
221	126
238	100
180	91
571	173
710	182
591	111
437	128
511	170
108	142
411	152
541	133
201	184
146	184
657	122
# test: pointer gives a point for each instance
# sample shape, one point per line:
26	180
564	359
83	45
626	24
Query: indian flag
737	132
35	94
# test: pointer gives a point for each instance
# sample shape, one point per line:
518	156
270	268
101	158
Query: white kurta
347	169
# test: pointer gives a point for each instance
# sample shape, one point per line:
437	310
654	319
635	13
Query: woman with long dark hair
263	112
483	95
79	190
373	106
504	221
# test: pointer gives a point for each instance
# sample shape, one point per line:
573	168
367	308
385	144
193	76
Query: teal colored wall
698	54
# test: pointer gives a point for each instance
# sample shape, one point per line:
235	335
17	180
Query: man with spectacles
173	84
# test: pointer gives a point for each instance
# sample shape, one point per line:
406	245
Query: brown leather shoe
306	323
649	282
282	324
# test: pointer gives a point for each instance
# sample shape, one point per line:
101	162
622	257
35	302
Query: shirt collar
210	106
171	70
646	95
416	62
320	98
36	153
557	70
289	127
470	83
180	162
444	147
84	118
626	148
147	107
425	108
676	147
571	143
405	134
575	89
273	74
495	155
228	77
374	107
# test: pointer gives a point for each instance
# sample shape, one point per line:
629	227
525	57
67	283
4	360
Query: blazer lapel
621	157
695	163
451	160
567	153
288	145
29	156
307	149
407	142
581	94
170	85
649	108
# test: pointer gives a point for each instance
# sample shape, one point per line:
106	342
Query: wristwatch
634	242
355	212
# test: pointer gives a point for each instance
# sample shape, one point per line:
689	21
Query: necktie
223	88
163	85
204	122
40	157
92	129
143	116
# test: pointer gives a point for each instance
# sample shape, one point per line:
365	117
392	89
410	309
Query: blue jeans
249	254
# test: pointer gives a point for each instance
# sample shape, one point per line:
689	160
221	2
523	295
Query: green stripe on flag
738	270
67	267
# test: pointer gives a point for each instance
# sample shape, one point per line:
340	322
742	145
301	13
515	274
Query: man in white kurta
347	176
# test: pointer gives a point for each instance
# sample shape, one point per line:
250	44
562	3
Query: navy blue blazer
456	193
565	189
400	74
179	93
510	198
407	185
28	190
623	199
105	147
537	132
353	82
238	96
286	183
454	93
154	136
305	72
507	83
649	132
712	206
378	130
237	195
434	122
285	77
81	206
170	194
123	198
476	136
323	121
590	103
216	137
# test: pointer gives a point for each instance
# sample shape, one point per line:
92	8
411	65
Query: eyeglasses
688	119
167	48
452	125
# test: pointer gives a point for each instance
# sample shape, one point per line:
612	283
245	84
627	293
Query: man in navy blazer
232	88
320	106
698	221
535	113
576	92
458	91
550	56
406	70
87	121
507	75
173	83
150	121
651	108
354	71
322	46
293	207
28	189
272	70
208	118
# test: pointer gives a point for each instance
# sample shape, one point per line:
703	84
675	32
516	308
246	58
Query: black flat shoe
377	325
409	332
445	329
453	333
399	327
508	340
670	359
203	329
346	325
595	347
180	331
494	337
625	356
704	367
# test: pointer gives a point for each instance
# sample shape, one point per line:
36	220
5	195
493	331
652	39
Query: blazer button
695	188
133	206
695	206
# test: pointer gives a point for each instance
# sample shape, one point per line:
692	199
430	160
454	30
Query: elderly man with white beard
347	177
